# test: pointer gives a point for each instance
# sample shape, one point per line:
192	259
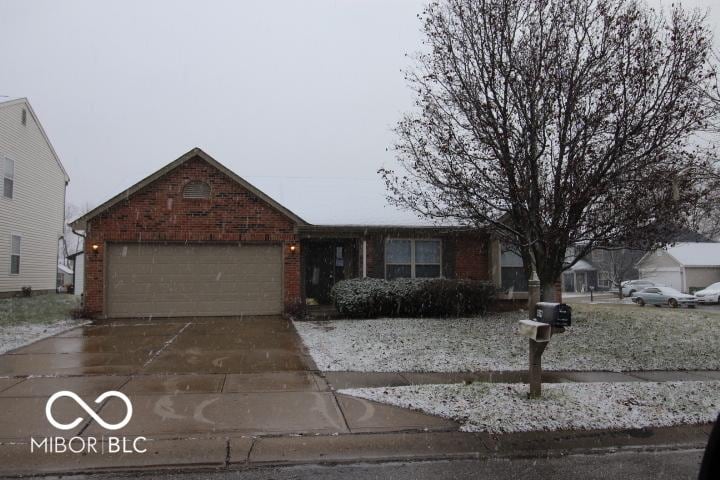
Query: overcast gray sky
269	88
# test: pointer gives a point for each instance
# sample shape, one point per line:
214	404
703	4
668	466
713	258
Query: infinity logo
90	411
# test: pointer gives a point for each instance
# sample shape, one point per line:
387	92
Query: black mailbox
556	314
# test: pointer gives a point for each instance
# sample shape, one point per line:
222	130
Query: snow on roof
582	265
693	254
5	98
337	201
64	269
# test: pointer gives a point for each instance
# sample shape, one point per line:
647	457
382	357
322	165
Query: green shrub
372	297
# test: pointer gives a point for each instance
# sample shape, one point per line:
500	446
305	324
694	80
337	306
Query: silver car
663	296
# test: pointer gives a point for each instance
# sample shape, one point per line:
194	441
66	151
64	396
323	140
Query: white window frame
604	279
13	254
503	249
412	255
11	177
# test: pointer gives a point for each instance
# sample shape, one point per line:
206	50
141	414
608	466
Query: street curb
229	453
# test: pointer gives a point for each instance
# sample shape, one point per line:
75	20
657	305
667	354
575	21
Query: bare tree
72	242
713	93
556	123
619	264
708	211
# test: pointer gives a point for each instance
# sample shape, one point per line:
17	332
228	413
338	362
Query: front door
323	268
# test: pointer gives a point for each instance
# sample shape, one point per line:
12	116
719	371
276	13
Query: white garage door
668	278
146	280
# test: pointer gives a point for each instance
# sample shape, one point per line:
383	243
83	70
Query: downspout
75	265
62	236
79	235
684	280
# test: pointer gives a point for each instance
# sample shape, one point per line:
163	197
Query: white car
709	294
629	287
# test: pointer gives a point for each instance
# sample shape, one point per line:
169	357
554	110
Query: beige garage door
193	280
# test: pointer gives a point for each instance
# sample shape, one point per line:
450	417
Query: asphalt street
638	465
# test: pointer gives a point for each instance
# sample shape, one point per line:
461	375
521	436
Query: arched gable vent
196	190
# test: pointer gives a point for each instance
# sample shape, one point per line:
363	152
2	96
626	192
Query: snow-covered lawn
16	336
603	337
25	320
502	407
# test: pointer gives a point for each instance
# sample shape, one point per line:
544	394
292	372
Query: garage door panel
194	280
137	294
181	308
177	280
131	289
175	309
209	272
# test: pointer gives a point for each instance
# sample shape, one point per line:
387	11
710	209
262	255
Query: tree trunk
548	291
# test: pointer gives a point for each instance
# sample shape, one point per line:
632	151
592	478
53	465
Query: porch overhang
359	231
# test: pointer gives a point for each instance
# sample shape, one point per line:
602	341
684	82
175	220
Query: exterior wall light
293	248
95	247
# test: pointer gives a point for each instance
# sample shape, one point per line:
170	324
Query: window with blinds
8	187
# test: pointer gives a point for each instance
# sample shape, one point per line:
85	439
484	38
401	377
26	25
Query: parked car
663	296
709	294
629	287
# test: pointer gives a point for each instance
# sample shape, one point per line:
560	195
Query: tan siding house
687	267
32	201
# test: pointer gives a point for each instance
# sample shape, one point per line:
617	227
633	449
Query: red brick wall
471	257
465	256
158	213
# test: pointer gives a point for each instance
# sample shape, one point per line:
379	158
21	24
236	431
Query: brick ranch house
195	239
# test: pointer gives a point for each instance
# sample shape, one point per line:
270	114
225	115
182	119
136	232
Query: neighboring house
32	201
615	266
509	274
77	261
194	238
600	269
580	277
65	276
687	267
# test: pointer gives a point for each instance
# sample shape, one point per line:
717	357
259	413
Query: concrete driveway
228	393
200	376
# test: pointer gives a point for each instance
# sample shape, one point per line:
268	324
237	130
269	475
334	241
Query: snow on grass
504	407
24	320
16	336
603	337
46	308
